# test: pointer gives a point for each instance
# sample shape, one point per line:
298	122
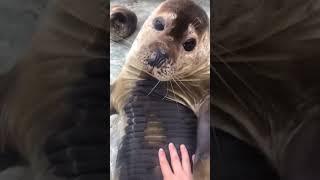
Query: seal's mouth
158	58
157	61
161	68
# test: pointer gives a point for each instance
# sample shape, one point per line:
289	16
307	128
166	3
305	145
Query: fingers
175	160
164	164
185	158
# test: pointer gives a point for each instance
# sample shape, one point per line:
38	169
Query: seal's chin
162	73
161	76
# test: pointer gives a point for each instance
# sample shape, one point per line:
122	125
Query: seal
56	92
123	22
158	91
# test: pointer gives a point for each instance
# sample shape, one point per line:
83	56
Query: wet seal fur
123	22
173	47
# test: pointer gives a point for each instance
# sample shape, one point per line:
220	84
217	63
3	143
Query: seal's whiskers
180	88
230	88
196	22
174	94
166	92
238	76
153	88
184	85
187	94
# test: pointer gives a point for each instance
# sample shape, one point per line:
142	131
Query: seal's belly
153	123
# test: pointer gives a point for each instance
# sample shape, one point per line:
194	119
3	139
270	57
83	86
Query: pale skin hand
181	169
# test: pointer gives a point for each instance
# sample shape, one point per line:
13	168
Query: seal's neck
185	92
150	87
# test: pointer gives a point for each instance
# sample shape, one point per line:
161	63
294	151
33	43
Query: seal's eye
189	44
158	23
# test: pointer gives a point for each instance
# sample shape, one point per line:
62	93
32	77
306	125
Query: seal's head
173	42
123	22
173	46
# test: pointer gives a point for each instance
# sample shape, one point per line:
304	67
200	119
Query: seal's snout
158	58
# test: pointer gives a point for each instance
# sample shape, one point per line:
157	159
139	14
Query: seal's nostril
158	58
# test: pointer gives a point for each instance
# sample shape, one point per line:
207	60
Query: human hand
181	170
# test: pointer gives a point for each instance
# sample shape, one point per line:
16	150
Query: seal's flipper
201	168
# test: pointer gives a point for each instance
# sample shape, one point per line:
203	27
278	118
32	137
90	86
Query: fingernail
161	154
171	146
182	146
161	151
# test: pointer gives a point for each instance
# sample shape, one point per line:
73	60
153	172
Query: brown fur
201	170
